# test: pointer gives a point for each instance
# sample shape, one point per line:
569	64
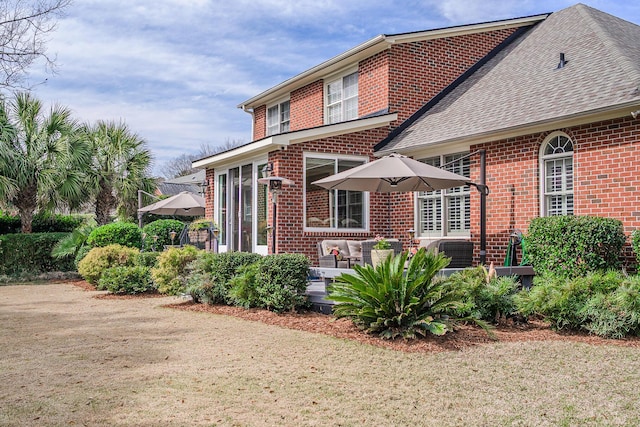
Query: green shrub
161	228
41	223
9	224
606	304
82	252
572	246
126	280
148	259
243	287
281	282
31	254
635	244
210	274
484	297
55	223
169	274
390	302
99	259
120	233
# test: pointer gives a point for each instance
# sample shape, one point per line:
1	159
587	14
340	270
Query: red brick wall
419	71
606	180
307	106
260	122
373	84
209	192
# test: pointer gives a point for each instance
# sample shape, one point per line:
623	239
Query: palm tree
119	168
40	157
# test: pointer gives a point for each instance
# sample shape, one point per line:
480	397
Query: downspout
253	118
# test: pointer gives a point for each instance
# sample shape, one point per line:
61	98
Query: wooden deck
320	277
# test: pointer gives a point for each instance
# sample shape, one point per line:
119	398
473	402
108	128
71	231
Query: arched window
556	175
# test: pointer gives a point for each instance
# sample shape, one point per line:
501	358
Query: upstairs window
278	118
556	170
342	99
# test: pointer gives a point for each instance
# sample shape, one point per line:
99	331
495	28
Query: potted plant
381	251
199	230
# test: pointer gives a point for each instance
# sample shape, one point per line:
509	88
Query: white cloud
175	70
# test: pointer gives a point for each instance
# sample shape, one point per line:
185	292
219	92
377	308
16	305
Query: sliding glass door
241	209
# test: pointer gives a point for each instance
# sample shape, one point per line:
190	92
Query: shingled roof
522	88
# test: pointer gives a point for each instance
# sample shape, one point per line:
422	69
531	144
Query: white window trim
443	233
365	195
541	167
332	79
279	105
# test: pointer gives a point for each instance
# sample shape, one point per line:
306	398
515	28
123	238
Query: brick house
549	97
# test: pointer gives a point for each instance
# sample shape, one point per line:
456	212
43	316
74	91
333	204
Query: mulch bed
465	336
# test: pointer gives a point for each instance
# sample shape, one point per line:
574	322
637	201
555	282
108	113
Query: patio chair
367	245
460	251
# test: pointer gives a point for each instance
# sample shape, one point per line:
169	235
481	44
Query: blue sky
175	70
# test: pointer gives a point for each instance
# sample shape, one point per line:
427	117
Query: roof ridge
624	62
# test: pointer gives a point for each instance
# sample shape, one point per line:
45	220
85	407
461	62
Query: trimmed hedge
281	282
117	233
572	246
126	280
42	223
31	253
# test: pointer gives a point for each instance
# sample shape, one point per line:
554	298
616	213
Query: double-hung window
278	118
342	99
556	170
446	212
335	209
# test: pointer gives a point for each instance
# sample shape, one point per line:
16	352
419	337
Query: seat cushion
340	245
355	248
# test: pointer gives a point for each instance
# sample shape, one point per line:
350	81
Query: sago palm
392	302
40	157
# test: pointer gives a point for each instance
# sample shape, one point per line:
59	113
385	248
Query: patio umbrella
398	173
393	173
182	204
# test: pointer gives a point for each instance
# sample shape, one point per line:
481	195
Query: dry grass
70	359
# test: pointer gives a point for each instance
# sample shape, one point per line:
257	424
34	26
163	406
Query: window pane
273	124
558	176
334	92
334	113
350	109
284	116
332	209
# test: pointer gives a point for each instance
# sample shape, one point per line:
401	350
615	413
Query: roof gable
377	45
522	85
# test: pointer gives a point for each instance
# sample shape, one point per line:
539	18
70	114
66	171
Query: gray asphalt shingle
522	84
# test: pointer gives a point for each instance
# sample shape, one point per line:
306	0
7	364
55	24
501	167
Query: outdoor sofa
346	253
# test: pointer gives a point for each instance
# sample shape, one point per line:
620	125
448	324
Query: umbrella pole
389	214
483	207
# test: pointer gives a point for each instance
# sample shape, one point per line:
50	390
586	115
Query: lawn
69	358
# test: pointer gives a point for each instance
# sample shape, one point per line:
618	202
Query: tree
119	167
24	27
40	157
181	165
